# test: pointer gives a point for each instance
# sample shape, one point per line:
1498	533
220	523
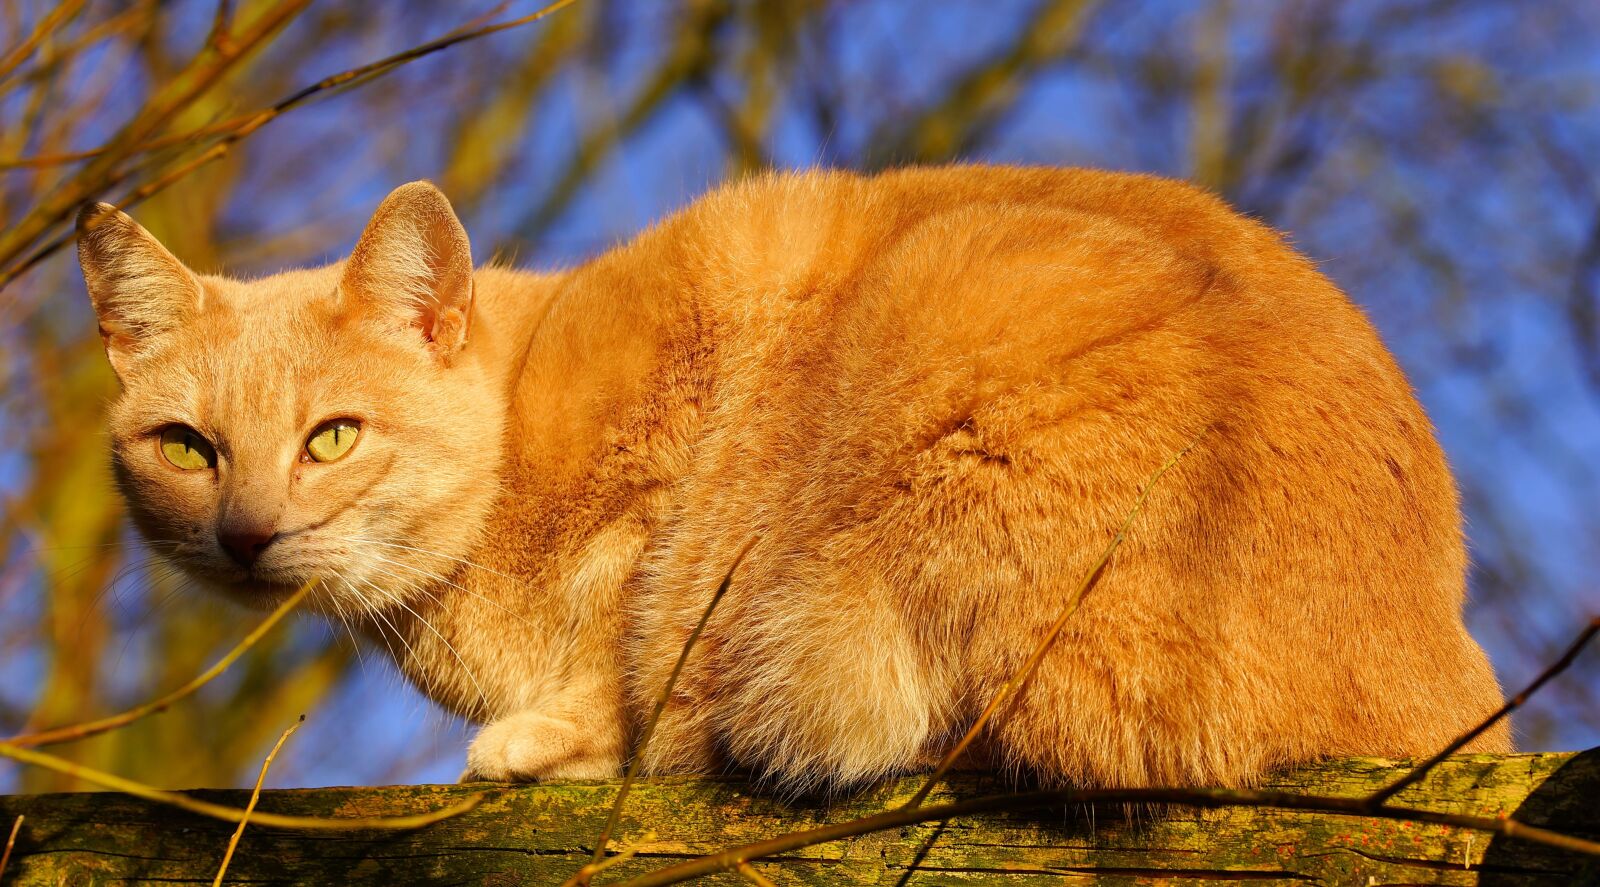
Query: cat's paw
529	746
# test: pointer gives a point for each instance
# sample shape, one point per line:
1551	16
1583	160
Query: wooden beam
539	835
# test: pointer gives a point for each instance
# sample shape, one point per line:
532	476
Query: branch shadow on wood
1566	801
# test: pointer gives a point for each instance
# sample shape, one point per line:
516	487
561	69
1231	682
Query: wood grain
538	835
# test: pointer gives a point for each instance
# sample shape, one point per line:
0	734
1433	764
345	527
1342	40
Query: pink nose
245	547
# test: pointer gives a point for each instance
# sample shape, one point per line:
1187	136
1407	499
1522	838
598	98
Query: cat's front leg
536	745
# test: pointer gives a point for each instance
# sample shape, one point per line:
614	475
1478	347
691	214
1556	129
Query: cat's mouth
274	575
258	587
279	570
256	592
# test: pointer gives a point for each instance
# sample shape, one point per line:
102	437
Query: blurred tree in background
1435	156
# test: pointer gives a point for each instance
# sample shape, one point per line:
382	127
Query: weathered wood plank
539	835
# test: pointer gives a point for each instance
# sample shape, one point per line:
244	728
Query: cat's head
333	422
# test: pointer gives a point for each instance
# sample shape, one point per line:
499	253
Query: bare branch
49	23
92	728
203	72
11	841
255	796
689	54
222	811
1380	797
749	873
10	246
947	129
221	24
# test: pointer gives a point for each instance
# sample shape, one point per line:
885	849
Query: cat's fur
929	395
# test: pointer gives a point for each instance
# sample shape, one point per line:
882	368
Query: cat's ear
139	289
414	264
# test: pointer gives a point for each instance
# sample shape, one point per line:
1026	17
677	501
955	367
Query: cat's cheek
168	506
169	522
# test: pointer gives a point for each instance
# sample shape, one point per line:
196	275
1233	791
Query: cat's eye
332	440
186	449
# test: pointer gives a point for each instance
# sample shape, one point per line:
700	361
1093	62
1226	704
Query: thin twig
1381	796
204	71
249	124
729	860
621	856
388	63
89	35
1068	609
255	796
691	52
595	864
980	97
482	19
189	135
44	28
93	728
11	841
221	25
749	873
222	811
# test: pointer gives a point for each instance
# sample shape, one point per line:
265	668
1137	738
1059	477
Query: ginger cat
930	396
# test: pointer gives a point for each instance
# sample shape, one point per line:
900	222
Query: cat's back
928	291
964	242
870	321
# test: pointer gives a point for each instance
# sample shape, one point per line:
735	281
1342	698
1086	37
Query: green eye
186	449
332	440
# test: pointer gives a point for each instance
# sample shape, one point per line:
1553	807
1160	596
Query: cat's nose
245	546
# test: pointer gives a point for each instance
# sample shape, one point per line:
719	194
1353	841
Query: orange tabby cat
930	395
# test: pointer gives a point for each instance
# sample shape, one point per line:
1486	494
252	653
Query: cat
929	396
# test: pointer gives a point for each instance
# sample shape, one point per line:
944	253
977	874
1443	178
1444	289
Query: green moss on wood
539	835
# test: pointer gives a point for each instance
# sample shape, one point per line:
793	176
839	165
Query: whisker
447	557
97	598
482	696
375	611
339	608
125	543
437	578
383	633
150	564
150	613
355	645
